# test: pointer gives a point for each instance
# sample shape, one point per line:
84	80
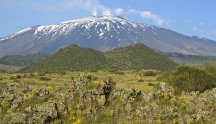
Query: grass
124	80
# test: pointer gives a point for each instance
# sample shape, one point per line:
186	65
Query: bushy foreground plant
186	78
149	73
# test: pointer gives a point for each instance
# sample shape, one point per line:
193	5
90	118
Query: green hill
136	57
70	58
23	60
133	57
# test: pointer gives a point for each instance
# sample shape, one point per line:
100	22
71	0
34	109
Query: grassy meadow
124	79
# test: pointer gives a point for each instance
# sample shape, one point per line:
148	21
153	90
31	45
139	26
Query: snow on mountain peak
101	25
15	34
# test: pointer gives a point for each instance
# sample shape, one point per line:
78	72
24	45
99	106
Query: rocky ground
84	102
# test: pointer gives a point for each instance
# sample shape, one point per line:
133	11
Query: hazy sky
190	17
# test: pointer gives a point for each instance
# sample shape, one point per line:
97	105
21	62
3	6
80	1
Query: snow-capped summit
91	24
101	33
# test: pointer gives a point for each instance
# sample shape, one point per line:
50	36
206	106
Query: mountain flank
189	59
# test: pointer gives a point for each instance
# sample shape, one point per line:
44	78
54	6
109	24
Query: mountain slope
102	33
19	60
134	57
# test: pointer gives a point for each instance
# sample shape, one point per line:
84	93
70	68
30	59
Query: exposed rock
62	108
41	92
17	103
48	112
103	92
101	100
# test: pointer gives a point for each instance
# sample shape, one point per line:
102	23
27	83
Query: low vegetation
149	73
101	97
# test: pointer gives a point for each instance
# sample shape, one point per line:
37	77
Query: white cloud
95	7
106	12
119	11
95	13
149	15
132	11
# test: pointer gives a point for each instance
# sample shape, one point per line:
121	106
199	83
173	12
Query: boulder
48	112
101	100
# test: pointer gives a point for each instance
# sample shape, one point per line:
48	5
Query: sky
189	17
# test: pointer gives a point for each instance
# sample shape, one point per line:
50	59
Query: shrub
140	80
151	84
2	71
186	78
62	72
31	75
149	73
116	72
12	78
211	69
17	81
25	75
41	74
18	77
15	77
93	70
120	73
44	78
